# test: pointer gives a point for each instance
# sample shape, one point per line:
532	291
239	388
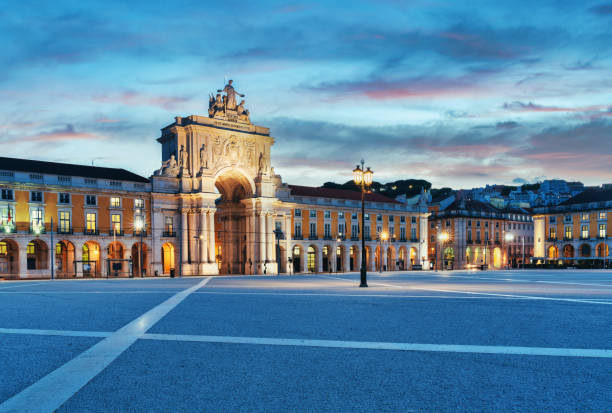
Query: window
3	249
64	198
402	233
313	230
477	224
90	222
90	200
313	213
413	220
297	212
277	227
478	236
378	230
379	218
568	233
31	249
402	219
496	236
567	218
36	196
553	233
64	221
89	181
327	214
341	233
115	202
413	234
584	232
469	223
486	224
7	217
448	224
367	217
366	232
432	239
497	224
584	217
391	232
36	217
7	194
552	220
327	230
297	230
432	225
486	236
391	218
354	216
340	215
139	203
168	225
602	215
602	230
116	223
355	231
469	235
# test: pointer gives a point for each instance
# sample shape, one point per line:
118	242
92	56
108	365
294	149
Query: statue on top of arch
226	107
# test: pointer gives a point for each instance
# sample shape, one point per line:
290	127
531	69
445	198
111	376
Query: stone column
270	244
261	240
211	235
191	236
203	237
346	258
184	237
331	258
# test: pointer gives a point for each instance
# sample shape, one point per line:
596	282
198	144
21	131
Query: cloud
62	134
532	107
133	98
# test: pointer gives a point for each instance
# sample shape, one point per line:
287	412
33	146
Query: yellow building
215	206
576	232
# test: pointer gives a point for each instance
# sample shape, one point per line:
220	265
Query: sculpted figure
203	157
215	105
262	163
183	157
168	168
243	113
231	93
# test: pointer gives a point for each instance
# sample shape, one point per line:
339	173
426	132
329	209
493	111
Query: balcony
602	237
414	240
116	233
327	237
91	232
298	237
169	234
313	237
139	233
469	242
354	238
8	229
403	240
38	229
497	242
582	237
64	230
567	238
553	239
368	238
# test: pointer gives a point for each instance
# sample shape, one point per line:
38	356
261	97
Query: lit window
91	222
568	233
585	217
602	230
31	249
168	225
584	231
602	215
115	202
64	221
3	250
36	217
553	233
139	203
116	223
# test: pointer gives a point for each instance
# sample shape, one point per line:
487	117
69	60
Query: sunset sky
461	96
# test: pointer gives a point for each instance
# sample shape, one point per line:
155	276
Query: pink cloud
532	107
106	120
131	98
68	133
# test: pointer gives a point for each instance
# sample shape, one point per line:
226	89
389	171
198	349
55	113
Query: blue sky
461	95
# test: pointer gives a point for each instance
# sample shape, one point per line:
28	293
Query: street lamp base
364	282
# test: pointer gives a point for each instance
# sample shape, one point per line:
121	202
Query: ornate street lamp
509	239
442	237
363	179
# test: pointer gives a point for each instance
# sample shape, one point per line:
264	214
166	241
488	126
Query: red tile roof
298	190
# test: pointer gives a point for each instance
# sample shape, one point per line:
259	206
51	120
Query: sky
462	94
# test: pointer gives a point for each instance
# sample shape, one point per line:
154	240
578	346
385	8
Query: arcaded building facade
215	206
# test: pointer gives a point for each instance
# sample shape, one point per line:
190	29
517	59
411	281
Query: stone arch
136	260
326	257
168	257
497	257
568	251
585	250
403	253
553	252
90	264
391	258
602	250
37	255
340	256
297	258
414	259
115	252
9	258
469	255
311	258
225	181
354	259
64	258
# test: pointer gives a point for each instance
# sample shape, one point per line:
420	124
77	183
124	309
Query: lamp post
279	236
140	228
363	179
382	237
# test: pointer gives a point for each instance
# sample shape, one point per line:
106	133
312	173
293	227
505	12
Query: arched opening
478	256
64	259
140	259
9	258
168	257
340	259
37	255
402	258
568	251
497	257
115	264
368	253
378	259
585	250
449	257
353	259
90	263
297	259
553	252
469	256
233	233
602	250
326	259
414	259
391	259
312	259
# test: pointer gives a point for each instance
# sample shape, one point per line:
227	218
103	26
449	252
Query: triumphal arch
214	202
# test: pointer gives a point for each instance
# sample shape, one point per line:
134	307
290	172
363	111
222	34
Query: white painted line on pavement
20	285
66	333
524	297
452	348
53	390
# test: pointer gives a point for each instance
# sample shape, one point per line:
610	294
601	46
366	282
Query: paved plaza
422	341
